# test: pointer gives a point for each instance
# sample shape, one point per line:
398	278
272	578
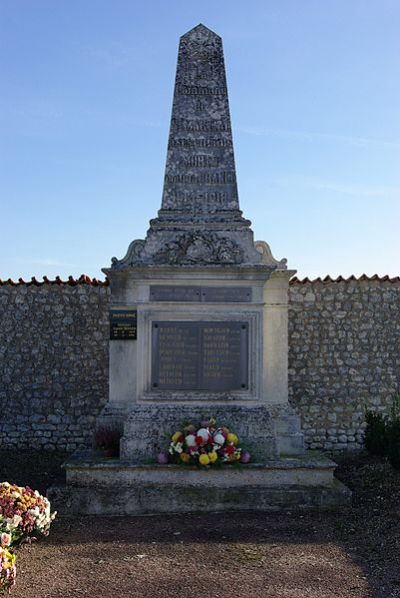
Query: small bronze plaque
200	356
226	294
174	293
123	324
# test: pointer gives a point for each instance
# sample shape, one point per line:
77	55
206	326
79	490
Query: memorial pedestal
148	427
295	484
211	341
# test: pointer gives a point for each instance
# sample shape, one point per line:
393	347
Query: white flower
219	438
203	433
191	440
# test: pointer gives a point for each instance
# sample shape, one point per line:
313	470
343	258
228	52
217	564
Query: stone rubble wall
53	363
344	358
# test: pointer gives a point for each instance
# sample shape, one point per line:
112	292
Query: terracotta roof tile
328	279
83	279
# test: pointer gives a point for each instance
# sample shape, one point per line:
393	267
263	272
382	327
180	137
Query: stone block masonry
344	358
344	355
53	362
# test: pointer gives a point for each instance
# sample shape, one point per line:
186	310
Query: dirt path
205	555
352	553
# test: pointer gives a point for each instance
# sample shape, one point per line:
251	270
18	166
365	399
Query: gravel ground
348	554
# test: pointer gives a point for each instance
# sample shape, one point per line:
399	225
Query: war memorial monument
198	327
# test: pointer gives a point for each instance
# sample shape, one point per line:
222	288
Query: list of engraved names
200	355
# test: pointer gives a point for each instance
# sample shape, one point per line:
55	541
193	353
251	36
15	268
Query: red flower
199	440
230	450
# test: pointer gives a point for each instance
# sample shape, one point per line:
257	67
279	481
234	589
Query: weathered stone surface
53	364
148	426
200	175
200	222
173	498
344	357
305	483
56	373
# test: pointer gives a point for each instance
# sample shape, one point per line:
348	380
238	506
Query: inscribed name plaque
200	356
200	294
123	324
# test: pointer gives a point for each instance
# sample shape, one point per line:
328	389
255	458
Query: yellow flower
204	459
176	436
184	457
232	438
213	457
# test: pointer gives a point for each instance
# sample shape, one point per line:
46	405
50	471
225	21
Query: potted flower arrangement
107	440
24	515
7	569
205	444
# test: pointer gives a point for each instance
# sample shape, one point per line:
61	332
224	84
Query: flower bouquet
7	569
23	513
205	444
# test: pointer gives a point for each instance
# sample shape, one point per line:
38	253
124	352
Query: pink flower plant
23	513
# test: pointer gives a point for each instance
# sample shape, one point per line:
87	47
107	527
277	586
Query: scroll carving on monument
197	248
267	258
132	257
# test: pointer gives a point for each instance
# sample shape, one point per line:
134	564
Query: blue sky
84	117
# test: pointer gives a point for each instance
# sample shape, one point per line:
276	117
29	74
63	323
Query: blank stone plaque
226	294
174	293
200	356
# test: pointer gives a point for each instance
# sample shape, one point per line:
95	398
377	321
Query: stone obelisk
200	175
199	221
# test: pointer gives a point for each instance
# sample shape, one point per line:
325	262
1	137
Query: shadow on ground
350	553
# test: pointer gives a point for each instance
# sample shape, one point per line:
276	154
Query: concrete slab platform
111	487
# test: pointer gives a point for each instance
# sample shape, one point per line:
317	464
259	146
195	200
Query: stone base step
112	487
149	425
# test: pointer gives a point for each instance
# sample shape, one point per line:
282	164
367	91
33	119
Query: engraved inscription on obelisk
200	222
200	171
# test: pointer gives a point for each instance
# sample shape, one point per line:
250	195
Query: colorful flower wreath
205	444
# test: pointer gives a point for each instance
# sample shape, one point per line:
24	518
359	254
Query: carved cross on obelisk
200	174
